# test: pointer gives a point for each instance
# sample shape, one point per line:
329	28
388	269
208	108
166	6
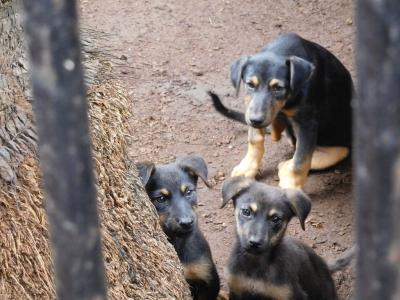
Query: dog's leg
277	127
325	157
293	172
250	164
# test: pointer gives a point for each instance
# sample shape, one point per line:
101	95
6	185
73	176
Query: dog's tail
223	110
343	261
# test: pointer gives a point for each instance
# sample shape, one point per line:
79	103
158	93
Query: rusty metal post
64	147
377	150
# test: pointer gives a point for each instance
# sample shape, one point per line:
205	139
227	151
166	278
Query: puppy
298	86
172	189
264	264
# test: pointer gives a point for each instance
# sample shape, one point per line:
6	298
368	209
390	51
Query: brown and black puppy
172	189
295	85
264	264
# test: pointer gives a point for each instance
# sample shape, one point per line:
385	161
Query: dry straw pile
140	263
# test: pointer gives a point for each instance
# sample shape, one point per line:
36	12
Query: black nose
255	244
256	122
186	223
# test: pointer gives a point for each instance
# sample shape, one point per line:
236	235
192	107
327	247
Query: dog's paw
246	168
289	178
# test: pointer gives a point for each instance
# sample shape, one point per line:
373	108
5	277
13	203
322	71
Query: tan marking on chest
240	284
277	128
290	112
200	270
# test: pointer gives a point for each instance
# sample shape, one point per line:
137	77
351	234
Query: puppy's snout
186	223
256	121
255	243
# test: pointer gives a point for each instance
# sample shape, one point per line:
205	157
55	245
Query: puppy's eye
246	212
250	85
189	193
160	199
276	219
277	88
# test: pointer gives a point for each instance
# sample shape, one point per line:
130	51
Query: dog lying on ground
300	87
172	189
264	263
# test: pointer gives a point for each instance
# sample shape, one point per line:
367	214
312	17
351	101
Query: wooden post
377	150
64	147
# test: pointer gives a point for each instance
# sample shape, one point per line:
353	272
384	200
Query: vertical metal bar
377	150
64	147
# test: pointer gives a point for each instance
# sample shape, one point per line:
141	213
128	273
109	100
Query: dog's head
263	212
270	81
172	189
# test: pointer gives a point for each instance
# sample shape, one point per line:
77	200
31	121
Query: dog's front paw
289	178
246	168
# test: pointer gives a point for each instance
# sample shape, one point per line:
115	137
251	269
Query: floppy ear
237	71
195	165
233	186
146	169
299	203
300	72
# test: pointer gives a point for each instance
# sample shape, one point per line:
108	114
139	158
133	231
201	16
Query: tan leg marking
250	164
291	176
199	270
240	284
325	157
277	128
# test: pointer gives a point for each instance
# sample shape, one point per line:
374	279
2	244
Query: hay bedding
140	263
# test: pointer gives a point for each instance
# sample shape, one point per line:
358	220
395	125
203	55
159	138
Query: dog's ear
237	71
194	165
299	203
234	186
300	72
146	169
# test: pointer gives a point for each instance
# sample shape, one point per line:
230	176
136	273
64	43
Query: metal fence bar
377	150
64	147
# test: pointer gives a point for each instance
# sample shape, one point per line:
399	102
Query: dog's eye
160	199
250	85
189	193
275	219
277	88
246	212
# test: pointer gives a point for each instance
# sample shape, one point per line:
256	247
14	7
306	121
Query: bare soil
169	53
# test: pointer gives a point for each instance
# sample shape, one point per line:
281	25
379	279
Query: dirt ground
169	53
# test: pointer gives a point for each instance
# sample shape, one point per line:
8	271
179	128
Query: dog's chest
250	288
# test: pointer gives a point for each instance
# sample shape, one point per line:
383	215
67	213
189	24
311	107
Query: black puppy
264	264
172	189
297	85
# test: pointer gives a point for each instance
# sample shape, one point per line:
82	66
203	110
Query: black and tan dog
172	189
297	85
264	264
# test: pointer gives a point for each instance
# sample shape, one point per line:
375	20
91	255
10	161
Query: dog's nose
255	244
256	121
186	223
